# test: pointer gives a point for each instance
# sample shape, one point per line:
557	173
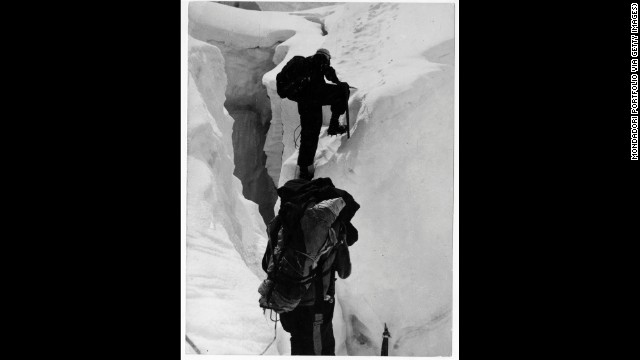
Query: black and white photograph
320	163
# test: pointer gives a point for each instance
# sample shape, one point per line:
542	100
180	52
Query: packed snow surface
398	164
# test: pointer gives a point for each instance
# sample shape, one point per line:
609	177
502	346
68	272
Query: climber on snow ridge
303	81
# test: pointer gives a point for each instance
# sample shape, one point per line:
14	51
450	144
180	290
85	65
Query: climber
310	323
306	304
303	80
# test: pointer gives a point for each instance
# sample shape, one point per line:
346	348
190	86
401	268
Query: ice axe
347	91
385	341
348	127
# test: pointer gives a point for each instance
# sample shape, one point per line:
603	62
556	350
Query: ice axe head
386	331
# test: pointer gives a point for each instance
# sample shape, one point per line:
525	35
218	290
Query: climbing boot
335	129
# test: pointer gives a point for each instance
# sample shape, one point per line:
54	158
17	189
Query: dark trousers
310	110
299	323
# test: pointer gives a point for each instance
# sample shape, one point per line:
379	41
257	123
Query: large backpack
292	79
299	237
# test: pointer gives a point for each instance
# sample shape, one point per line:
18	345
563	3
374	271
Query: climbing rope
295	139
275	333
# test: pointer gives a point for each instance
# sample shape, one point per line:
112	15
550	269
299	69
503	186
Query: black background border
544	99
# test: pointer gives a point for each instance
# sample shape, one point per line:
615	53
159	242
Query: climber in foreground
308	244
303	80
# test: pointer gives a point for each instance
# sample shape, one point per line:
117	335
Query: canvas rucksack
299	236
292	79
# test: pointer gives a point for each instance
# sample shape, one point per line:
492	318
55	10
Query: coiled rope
275	333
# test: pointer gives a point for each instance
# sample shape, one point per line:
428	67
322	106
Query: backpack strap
303	280
319	286
318	309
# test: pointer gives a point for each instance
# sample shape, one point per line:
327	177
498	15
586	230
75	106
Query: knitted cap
324	52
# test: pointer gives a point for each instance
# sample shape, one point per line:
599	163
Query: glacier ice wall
216	191
225	233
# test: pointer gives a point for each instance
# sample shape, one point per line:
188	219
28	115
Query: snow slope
398	163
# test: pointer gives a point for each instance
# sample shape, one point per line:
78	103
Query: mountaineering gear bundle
295	263
301	76
298	190
292	80
314	218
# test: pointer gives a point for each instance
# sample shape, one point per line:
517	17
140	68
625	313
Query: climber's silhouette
304	82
